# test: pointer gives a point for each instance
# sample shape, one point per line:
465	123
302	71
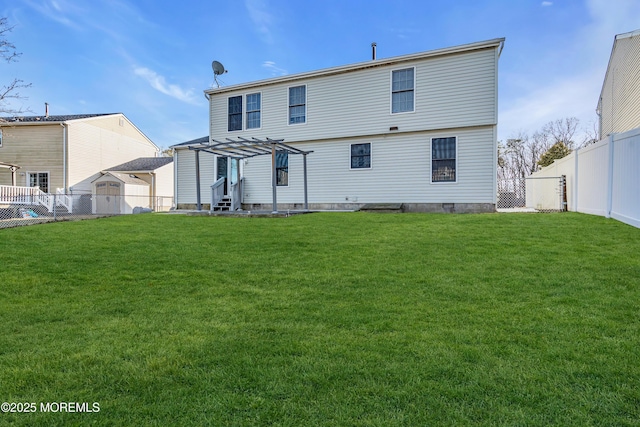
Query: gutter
360	66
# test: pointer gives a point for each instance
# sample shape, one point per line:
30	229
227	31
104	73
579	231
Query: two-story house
67	152
417	130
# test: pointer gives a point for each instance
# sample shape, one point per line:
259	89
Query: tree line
524	154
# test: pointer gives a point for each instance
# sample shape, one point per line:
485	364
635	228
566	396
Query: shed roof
125	178
142	164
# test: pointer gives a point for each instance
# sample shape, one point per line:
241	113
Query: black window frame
444	160
235	116
362	160
282	168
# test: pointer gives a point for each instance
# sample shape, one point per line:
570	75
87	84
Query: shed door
108	197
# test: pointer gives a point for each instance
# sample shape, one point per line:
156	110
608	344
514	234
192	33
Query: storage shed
118	193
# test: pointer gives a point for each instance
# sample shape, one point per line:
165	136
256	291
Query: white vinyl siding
185	161
94	147
620	103
456	90
403	160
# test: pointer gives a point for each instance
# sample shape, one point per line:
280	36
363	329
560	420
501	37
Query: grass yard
336	319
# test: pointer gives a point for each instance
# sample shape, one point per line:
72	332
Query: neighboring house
619	103
417	130
67	152
602	178
146	182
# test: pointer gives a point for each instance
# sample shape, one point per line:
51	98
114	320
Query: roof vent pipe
46	110
373	50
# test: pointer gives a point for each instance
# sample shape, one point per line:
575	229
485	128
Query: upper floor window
235	113
297	105
0	138
402	90
443	159
282	168
361	156
253	111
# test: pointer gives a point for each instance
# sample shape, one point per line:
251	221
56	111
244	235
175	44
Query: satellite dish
218	68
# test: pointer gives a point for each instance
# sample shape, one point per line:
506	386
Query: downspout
174	202
64	157
153	191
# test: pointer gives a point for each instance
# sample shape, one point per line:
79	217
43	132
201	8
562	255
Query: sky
151	59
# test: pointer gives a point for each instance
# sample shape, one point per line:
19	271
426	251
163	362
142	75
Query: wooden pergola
244	148
13	169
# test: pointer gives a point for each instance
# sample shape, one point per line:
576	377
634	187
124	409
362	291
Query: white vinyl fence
603	178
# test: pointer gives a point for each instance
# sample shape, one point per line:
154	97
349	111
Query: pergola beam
244	148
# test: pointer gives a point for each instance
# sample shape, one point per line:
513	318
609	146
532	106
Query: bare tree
591	135
562	130
11	91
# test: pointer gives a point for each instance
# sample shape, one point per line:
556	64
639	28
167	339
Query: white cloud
159	83
574	90
574	96
273	69
262	19
56	10
546	3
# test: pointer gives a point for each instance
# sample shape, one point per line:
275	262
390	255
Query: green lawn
336	319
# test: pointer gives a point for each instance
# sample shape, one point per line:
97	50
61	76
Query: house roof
197	141
494	43
142	164
51	119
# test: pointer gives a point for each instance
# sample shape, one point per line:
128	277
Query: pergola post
274	178
306	199
198	204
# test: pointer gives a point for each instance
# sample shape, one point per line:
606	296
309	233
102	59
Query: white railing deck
17	195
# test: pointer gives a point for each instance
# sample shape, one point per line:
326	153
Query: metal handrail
217	192
236	195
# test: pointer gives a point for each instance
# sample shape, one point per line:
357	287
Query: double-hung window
235	113
443	159
402	90
297	105
282	168
361	156
253	111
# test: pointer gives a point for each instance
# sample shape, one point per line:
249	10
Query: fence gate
544	194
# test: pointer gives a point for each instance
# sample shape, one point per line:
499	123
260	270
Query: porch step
382	207
223	205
